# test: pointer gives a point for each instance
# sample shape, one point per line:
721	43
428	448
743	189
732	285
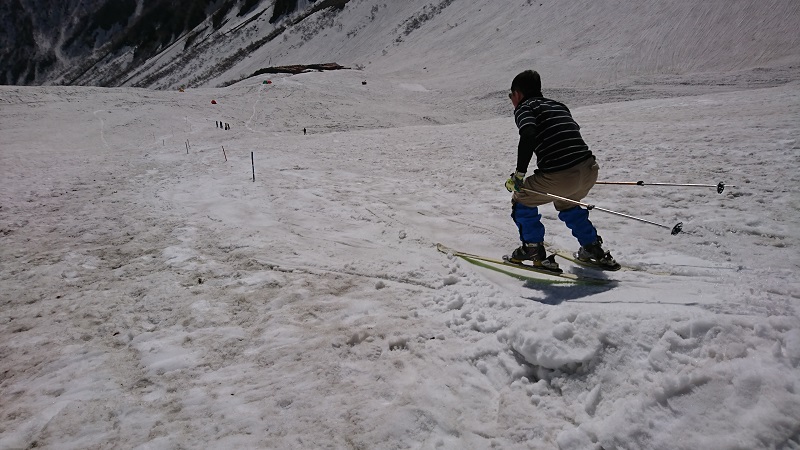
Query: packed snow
166	283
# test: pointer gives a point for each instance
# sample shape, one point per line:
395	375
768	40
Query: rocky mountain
103	41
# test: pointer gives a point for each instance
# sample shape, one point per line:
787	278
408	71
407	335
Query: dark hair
529	83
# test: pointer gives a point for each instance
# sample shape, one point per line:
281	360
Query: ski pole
675	230
720	186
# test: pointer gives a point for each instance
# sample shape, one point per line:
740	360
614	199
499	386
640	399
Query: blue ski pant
573	183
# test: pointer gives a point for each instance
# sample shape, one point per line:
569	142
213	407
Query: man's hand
514	184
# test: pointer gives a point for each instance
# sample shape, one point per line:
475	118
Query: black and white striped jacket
546	128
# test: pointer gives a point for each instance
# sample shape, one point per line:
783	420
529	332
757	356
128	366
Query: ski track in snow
255	110
154	298
102	129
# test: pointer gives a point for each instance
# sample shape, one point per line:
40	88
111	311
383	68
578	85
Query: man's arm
525	148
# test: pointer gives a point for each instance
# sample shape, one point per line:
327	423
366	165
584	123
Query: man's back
552	133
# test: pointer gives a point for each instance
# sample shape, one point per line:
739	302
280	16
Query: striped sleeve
524	117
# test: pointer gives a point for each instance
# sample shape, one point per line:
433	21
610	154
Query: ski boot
536	254
595	255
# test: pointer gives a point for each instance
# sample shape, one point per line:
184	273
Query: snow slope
152	295
158	299
460	47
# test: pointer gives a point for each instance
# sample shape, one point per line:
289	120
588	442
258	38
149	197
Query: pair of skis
561	277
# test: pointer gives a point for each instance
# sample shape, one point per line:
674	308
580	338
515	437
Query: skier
565	167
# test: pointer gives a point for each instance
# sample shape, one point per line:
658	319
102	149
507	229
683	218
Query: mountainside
49	40
166	44
103	41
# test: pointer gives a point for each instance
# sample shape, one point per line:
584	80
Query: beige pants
573	183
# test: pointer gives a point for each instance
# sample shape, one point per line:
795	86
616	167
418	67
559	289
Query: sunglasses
510	94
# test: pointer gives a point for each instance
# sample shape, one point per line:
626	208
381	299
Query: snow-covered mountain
167	44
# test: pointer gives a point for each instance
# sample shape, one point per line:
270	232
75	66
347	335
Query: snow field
154	299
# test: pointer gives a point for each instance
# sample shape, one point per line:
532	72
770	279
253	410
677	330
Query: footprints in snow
365	345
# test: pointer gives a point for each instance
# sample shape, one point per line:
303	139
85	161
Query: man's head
527	83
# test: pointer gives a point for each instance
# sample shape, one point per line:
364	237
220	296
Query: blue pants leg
529	223
577	220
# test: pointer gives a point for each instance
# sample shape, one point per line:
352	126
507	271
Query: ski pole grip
677	228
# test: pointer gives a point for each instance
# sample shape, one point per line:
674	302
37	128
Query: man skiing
565	167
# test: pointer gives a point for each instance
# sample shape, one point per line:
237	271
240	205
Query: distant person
565	167
304	131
